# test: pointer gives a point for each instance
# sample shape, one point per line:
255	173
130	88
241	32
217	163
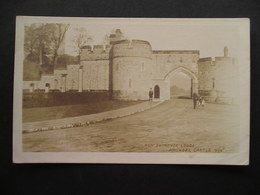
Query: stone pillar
191	88
63	88
47	88
80	78
31	89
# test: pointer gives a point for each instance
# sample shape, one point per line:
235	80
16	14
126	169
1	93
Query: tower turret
132	69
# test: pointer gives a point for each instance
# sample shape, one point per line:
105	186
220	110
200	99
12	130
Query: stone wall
72	78
206	67
166	61
41	84
132	77
58	81
164	86
95	74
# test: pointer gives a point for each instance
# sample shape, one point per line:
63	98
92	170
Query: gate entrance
156	91
180	86
191	80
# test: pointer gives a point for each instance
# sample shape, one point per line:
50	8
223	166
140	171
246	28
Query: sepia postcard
131	90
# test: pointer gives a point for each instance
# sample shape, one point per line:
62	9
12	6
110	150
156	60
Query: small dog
201	102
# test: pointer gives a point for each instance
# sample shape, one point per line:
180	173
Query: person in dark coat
195	99
151	95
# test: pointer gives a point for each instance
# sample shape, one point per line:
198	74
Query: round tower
131	69
207	78
218	78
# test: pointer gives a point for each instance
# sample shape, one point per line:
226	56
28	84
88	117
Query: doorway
156	91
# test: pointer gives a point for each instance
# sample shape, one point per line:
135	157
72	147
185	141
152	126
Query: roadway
173	126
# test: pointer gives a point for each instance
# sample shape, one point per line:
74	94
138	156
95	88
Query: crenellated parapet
96	52
132	48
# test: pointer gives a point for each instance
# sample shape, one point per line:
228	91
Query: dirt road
173	126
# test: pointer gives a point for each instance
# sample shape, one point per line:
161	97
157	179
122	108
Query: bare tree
57	37
80	39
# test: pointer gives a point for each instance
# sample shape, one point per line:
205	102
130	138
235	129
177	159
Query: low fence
55	98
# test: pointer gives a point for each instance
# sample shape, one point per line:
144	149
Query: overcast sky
209	38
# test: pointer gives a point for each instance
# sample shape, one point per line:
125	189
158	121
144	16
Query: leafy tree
43	39
36	41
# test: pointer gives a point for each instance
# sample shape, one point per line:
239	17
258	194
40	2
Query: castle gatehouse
129	68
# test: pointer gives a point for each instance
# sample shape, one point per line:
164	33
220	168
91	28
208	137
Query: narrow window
142	69
130	83
213	82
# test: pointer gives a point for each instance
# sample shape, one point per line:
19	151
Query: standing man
150	95
195	99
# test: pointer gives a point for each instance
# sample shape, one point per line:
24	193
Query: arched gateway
164	84
189	73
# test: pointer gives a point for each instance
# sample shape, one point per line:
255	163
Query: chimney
225	51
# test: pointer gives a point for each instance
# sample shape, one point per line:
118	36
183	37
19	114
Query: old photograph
131	90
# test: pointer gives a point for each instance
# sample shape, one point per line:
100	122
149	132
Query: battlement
132	42
95	52
176	52
223	59
216	59
94	48
209	59
132	48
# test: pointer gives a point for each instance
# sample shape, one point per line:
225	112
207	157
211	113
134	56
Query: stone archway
189	73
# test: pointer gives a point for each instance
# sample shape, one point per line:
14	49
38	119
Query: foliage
65	60
43	39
